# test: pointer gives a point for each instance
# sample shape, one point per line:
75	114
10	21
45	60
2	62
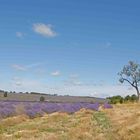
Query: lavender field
93	122
36	109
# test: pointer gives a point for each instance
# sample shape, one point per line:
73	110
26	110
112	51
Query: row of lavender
34	109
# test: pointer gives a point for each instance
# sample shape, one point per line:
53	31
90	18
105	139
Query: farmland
34	109
120	122
48	97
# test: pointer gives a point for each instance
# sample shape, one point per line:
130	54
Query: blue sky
68	47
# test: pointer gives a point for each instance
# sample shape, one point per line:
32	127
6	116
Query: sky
68	47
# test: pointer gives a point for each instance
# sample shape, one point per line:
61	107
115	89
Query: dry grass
120	123
126	121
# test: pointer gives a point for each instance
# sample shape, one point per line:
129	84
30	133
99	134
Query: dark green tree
42	98
5	94
115	99
134	98
127	98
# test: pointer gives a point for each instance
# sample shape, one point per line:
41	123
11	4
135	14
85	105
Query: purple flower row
33	109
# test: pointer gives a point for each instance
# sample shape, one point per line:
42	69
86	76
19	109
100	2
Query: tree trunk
138	93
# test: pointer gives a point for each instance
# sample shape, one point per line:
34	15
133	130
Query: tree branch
132	84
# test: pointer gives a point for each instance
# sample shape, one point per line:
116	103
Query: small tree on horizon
42	98
5	94
131	74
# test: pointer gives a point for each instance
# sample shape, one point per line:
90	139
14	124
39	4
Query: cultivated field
49	98
122	122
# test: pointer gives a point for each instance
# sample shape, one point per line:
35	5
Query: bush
134	98
115	99
127	98
119	99
5	94
42	98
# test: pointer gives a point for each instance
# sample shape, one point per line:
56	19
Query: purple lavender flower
34	109
93	106
107	105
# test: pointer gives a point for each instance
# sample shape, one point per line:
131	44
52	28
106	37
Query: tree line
119	99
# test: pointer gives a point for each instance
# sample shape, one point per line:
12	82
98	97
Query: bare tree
131	74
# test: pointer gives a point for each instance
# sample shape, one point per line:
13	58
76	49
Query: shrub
131	98
119	99
134	98
42	98
127	98
5	94
115	99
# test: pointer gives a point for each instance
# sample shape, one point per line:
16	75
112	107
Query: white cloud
19	34
73	82
44	29
19	67
22	84
16	81
56	73
94	91
33	65
25	67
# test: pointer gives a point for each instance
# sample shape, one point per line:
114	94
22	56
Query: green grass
102	120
